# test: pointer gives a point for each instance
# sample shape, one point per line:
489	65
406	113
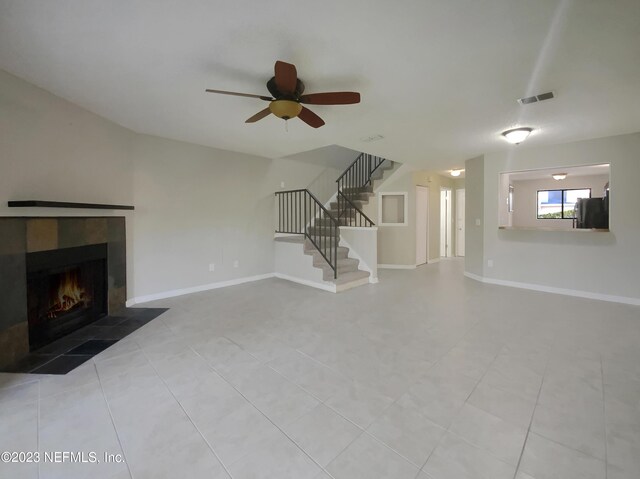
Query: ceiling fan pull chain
286	125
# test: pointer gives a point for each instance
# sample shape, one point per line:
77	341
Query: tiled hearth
69	352
21	236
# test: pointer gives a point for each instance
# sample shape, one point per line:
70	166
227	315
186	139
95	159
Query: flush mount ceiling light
369	139
455	173
517	135
559	176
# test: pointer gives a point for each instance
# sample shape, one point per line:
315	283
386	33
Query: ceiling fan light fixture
559	176
285	109
517	135
456	173
287	99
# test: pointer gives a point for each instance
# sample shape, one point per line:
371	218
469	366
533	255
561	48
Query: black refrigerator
593	212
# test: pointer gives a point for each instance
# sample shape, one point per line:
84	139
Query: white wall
363	245
525	198
474	216
597	263
397	244
194	205
334	159
53	150
197	205
291	263
505	217
324	186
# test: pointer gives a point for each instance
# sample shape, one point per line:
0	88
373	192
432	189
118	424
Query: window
560	204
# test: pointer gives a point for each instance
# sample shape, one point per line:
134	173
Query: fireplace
57	244
66	290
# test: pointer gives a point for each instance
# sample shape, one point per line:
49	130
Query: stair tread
325	238
351	276
317	256
341	261
290	239
310	247
358	190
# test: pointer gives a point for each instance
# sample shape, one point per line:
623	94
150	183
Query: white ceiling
438	78
332	156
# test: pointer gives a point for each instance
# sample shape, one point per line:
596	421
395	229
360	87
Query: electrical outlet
236	263
490	263
477	221
212	267
282	184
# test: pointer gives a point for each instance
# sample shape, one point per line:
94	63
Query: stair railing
300	212
350	214
358	174
351	184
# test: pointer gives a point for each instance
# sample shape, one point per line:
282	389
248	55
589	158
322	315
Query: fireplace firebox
66	290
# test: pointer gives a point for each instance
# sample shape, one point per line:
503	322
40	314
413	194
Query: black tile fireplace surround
29	245
85	313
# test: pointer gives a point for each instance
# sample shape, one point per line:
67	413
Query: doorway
422	225
445	223
460	222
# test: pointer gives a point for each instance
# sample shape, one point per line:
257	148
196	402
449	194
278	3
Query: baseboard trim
359	228
325	287
551	289
196	289
477	277
397	266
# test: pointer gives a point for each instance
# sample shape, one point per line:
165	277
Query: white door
445	222
422	222
460	222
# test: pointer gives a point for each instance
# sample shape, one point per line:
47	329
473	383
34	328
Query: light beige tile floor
425	375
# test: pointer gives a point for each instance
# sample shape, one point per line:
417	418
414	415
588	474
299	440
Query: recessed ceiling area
438	79
545	173
332	156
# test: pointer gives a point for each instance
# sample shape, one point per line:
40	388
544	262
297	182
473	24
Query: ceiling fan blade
286	77
331	98
310	118
259	116
262	97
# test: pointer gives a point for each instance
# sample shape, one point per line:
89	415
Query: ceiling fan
287	97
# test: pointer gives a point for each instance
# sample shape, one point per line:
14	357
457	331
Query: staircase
352	196
315	229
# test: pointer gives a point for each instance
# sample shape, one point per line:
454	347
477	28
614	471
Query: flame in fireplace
70	295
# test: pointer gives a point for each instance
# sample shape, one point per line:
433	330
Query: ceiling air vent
526	101
369	139
545	96
536	98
